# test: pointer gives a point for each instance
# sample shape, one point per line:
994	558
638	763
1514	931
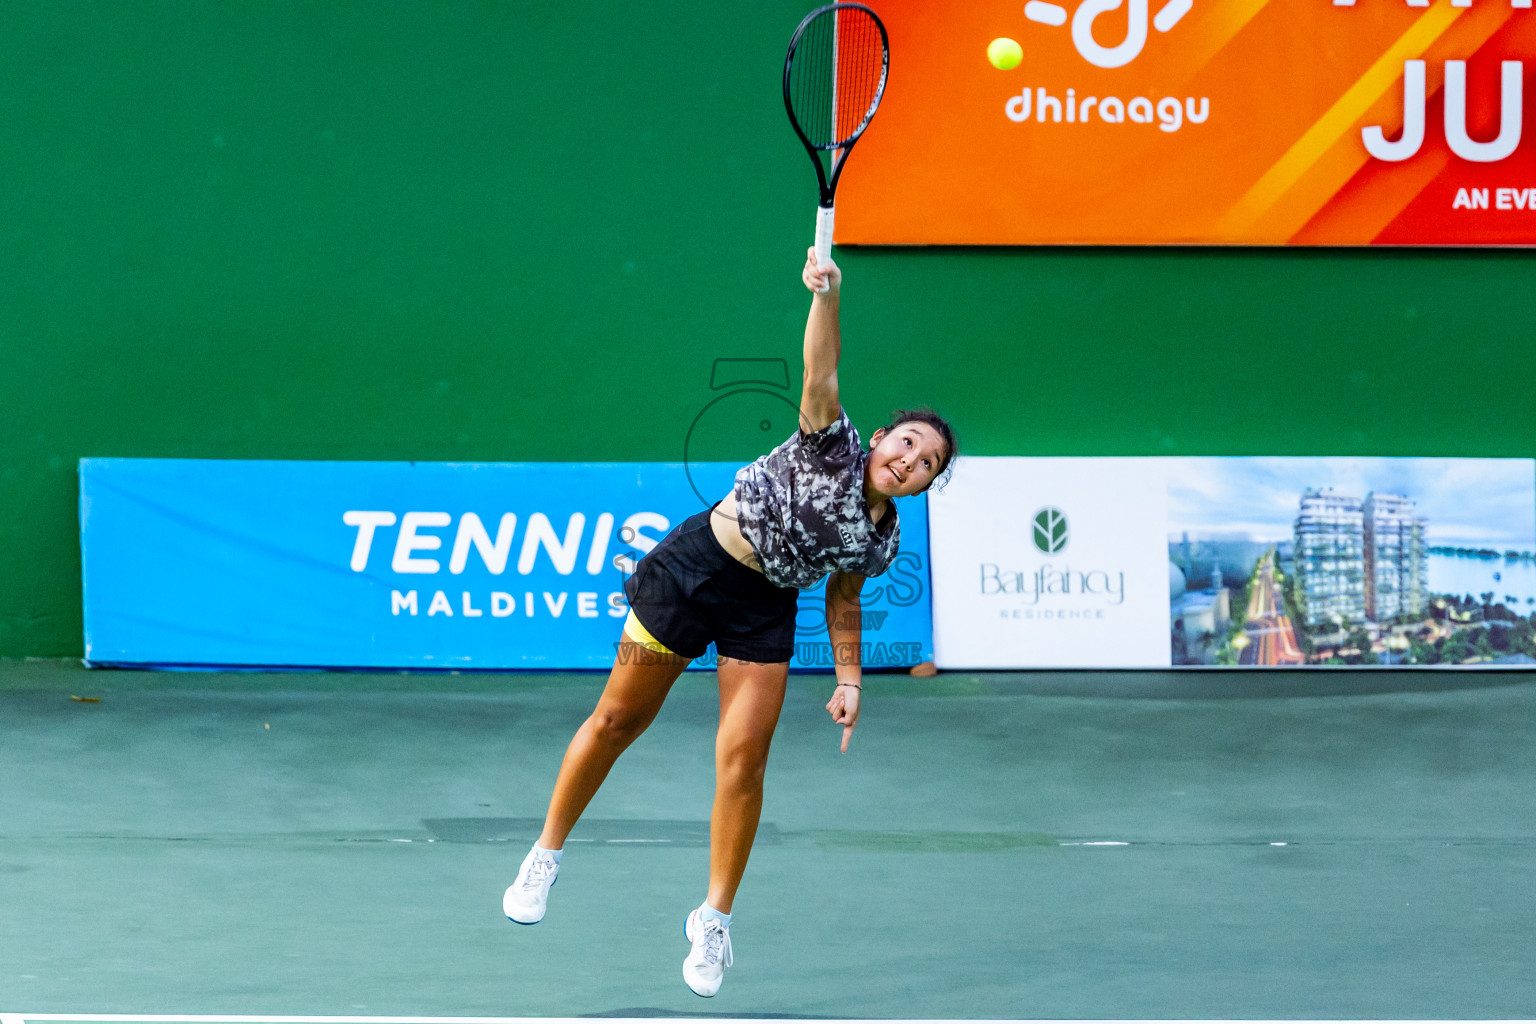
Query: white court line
173	1018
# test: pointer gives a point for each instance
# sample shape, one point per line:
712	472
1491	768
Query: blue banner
414	565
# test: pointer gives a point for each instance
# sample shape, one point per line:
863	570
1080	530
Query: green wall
497	231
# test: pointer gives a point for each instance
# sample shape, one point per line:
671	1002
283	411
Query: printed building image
1351	561
1359	561
1395	563
1330	557
1200	619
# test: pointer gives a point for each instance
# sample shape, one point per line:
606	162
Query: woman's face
906	460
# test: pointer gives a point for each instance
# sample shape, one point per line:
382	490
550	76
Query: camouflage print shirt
802	509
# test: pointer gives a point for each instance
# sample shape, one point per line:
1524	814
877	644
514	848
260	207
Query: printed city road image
1346	561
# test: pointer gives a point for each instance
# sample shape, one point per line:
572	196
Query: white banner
1040	561
1279	562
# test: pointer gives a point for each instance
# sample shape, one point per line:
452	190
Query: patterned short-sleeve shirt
802	509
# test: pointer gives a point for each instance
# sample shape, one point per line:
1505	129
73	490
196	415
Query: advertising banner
414	565
1280	562
1270	122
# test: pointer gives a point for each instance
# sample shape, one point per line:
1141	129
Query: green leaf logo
1050	531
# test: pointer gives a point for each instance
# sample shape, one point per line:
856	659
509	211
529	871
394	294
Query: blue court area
1213	845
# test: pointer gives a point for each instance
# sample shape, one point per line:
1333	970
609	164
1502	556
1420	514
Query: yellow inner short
642	636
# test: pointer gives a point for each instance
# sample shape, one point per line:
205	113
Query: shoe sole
530	924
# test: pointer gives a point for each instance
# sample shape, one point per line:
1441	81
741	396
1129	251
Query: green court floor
1287	846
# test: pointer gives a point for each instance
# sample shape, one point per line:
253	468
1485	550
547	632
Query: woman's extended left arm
845	631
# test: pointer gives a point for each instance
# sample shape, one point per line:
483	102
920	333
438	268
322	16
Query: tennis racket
834	76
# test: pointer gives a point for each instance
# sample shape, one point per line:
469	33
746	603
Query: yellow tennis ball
1004	53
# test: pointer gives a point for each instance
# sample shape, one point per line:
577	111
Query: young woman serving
816	504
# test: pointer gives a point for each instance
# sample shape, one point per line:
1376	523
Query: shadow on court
1213	845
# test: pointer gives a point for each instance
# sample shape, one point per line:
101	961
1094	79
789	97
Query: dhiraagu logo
1051	531
1060	102
1089	48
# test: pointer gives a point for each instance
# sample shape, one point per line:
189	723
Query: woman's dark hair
923	414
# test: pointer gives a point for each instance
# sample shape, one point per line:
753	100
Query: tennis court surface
993	846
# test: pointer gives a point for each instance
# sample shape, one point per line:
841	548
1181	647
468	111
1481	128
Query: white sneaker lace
538	871
717	943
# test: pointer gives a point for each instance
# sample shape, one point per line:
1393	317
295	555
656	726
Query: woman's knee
617	724
743	762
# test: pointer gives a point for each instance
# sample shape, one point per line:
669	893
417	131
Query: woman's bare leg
751	696
636	688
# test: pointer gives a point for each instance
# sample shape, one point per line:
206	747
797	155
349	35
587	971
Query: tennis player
816	504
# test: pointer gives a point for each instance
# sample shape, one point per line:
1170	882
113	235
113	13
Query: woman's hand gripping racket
834	76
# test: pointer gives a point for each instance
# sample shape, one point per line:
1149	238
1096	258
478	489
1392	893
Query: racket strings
860	62
813	80
836	75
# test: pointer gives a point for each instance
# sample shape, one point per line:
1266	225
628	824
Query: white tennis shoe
711	954
526	898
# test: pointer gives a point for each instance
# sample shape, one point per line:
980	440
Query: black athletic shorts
688	591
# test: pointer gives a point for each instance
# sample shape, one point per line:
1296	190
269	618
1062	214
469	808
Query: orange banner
1148	122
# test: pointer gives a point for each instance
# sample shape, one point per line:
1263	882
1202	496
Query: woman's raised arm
819	404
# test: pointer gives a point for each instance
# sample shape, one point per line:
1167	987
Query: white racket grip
824	237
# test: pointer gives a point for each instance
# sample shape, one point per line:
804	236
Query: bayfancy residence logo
1051	530
1050	583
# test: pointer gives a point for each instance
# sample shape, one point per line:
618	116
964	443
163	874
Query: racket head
834	77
